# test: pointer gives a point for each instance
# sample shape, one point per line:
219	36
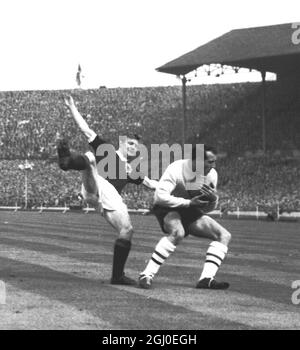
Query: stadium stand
227	116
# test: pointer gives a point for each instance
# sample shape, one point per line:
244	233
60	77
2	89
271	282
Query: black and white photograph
149	168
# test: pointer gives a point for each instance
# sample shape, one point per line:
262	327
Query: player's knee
126	232
225	236
176	235
218	232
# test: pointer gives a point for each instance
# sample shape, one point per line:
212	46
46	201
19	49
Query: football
204	195
207	194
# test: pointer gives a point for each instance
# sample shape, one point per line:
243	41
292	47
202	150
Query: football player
104	193
180	213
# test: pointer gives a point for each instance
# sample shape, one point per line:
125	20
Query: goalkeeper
180	213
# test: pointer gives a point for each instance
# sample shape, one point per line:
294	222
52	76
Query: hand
69	102
210	193
197	202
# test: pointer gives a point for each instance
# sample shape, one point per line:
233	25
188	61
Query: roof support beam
184	118
263	75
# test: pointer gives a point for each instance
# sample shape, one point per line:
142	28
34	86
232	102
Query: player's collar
121	156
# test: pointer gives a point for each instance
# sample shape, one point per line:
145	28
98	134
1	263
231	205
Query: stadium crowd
227	116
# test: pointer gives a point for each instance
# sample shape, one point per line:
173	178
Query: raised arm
83	126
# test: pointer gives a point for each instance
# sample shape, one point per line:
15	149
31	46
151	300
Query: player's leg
91	181
100	191
96	190
121	222
206	227
172	225
86	163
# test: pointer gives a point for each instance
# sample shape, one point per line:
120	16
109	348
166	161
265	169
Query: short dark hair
134	136
207	148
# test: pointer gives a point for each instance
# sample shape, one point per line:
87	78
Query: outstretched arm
166	185
83	126
152	184
168	182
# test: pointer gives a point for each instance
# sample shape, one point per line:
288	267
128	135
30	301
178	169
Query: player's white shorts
108	197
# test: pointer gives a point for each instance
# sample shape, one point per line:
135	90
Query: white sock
162	251
216	253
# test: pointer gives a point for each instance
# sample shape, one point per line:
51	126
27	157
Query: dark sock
121	251
73	162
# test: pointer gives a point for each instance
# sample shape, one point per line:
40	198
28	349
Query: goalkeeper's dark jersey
121	167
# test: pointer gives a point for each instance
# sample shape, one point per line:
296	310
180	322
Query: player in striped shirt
104	192
180	213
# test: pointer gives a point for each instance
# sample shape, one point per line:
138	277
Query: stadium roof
267	48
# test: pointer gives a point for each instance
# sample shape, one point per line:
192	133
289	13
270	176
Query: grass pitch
56	269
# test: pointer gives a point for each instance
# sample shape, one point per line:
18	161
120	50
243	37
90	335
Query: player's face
131	147
209	162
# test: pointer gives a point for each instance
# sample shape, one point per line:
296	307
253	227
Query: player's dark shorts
188	216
